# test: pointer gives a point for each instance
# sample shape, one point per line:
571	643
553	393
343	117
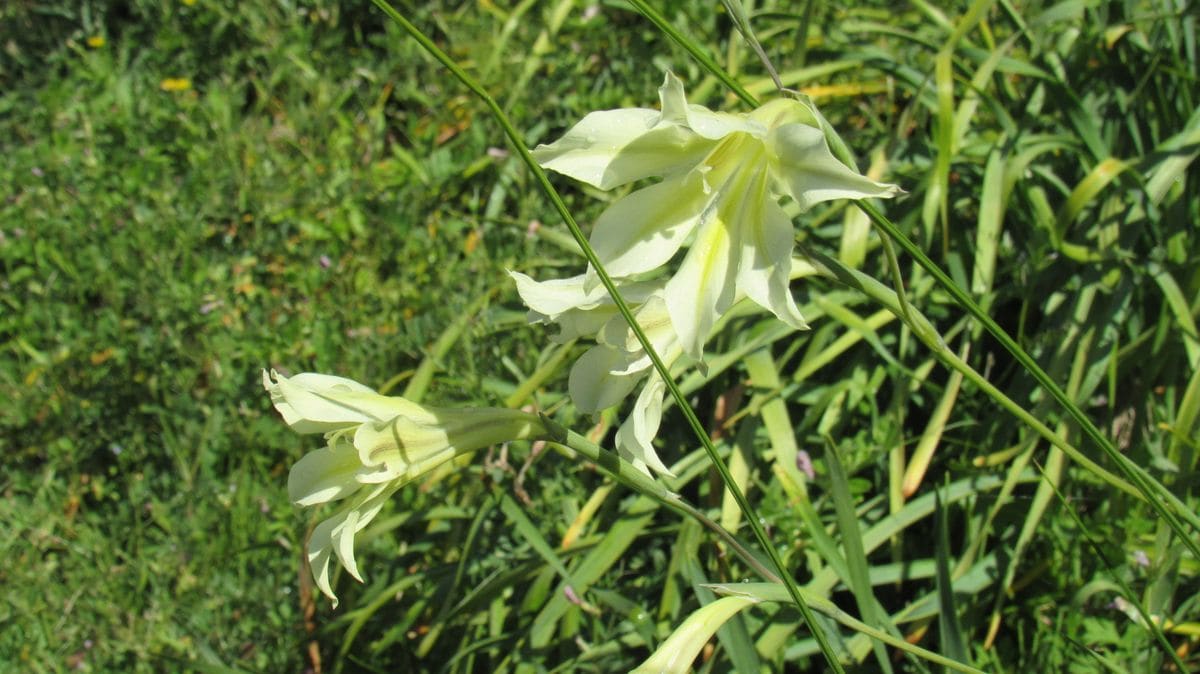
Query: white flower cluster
722	178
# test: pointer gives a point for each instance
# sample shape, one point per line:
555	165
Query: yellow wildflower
175	84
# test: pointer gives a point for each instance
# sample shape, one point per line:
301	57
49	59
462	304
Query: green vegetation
199	190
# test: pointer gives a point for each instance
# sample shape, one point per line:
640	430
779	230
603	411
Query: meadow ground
197	190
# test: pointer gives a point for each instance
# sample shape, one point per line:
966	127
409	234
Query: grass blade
923	454
856	557
949	630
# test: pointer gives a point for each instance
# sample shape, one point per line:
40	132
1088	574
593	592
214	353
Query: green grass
325	197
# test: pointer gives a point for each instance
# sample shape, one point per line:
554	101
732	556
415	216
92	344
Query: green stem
758	592
560	207
897	277
1154	628
660	22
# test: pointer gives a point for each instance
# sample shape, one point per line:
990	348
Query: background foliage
198	190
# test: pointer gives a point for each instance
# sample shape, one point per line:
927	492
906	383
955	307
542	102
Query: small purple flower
804	464
569	592
1141	559
325	262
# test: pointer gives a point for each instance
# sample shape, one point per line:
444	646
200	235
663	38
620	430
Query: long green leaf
949	631
856	557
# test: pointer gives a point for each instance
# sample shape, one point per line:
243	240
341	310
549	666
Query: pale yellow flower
375	444
722	177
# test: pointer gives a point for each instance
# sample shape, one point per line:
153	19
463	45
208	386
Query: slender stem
693	421
660	22
897	278
859	626
1154	628
826	607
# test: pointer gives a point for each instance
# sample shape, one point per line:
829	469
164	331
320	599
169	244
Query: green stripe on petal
703	286
402	442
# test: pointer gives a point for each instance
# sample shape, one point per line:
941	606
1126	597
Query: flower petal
643	230
356	518
343	543
578	305
706	123
614	147
637	432
401	442
810	172
655	321
703	286
764	270
319	403
592	383
675	655
555	297
780	111
320	553
326	474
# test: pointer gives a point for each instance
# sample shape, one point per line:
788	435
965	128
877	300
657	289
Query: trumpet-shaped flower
722	175
606	373
375	444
